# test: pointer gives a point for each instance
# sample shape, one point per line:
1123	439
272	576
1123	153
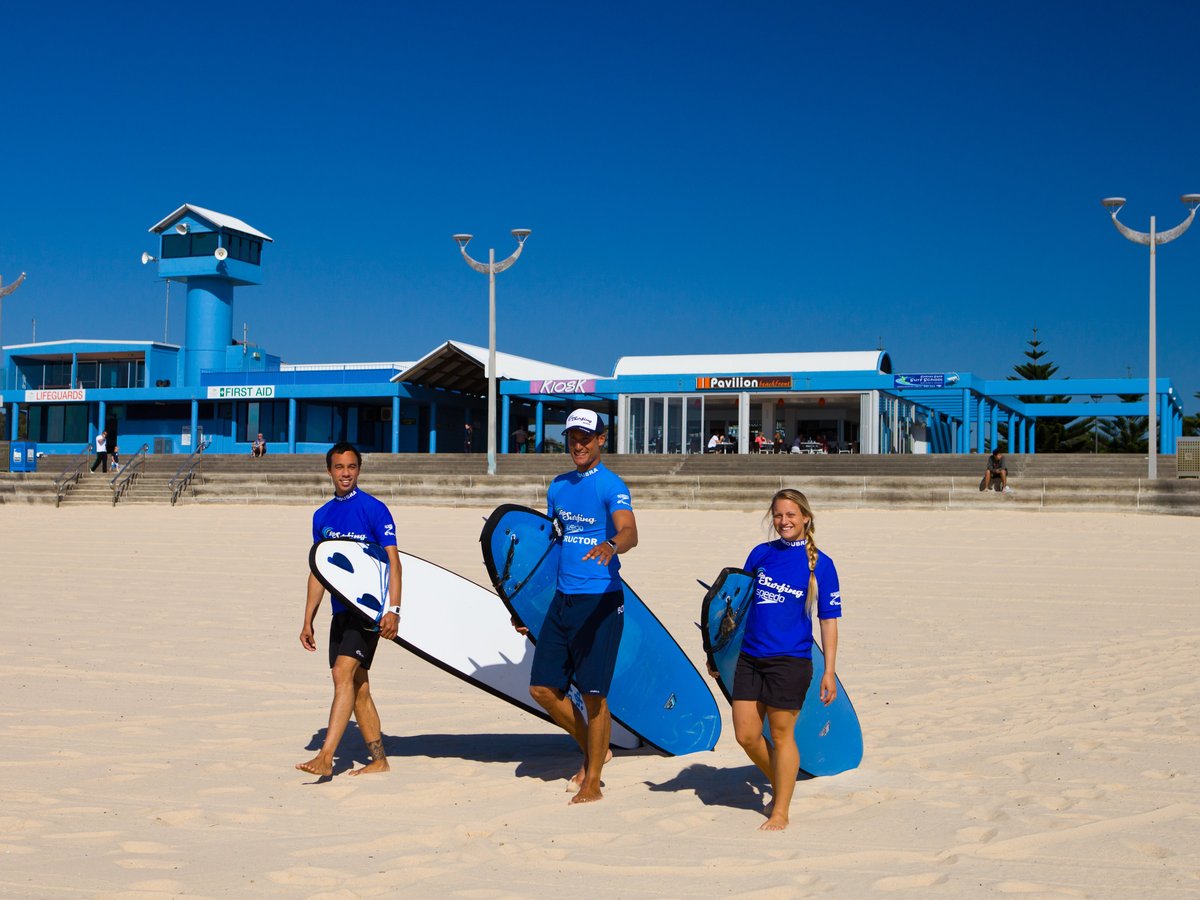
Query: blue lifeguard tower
212	253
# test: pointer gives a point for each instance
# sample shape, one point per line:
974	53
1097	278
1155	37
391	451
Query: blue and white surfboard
656	692
446	620
829	737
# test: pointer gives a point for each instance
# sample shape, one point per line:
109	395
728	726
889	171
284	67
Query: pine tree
1128	434
1051	435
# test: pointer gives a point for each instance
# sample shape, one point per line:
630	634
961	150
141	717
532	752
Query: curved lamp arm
8	289
1161	237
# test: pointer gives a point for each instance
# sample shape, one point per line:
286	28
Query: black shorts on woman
776	681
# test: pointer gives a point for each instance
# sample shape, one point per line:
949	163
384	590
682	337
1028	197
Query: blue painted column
74	369
13	418
504	412
433	426
540	420
101	417
209	326
980	425
1164	429
1032	441
396	424
995	426
964	434
291	425
195	424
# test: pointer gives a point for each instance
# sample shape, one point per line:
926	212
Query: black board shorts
350	636
579	642
778	681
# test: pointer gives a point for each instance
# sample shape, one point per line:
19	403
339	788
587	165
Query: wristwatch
394	610
612	543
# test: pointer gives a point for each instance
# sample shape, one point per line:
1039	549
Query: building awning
455	366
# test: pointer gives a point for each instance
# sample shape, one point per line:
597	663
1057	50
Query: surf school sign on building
242	392
744	383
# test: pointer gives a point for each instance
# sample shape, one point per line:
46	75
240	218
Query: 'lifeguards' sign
744	383
62	395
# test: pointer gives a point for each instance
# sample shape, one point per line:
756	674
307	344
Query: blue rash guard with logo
777	624
584	503
357	516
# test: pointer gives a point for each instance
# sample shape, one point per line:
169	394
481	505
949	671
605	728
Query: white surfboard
447	620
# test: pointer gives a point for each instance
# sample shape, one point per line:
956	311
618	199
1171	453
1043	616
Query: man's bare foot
587	795
378	765
316	766
576	780
775	823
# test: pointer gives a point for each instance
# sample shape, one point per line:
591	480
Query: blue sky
698	177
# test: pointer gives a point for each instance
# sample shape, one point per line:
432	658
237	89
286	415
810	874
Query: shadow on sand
548	757
740	788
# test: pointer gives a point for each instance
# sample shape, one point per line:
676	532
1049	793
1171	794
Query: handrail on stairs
71	475
182	479
129	474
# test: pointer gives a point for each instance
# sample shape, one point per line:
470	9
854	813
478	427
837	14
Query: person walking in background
793	580
101	452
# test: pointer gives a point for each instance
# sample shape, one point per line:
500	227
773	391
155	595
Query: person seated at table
796	445
759	440
778	444
714	442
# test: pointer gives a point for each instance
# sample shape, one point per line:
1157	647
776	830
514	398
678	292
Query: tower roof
218	220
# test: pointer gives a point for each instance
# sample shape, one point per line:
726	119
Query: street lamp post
492	268
1152	240
4	292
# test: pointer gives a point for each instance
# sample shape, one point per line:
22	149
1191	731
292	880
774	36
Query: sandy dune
1028	687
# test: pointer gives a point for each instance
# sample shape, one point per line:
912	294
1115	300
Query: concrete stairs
1042	482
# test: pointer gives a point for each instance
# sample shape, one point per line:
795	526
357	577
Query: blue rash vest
357	516
584	503
777	624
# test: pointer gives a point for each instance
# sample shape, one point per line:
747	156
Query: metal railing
130	473
192	466
71	475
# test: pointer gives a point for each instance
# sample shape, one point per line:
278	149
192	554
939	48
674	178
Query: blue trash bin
23	456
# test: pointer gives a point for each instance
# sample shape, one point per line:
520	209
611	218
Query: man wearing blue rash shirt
355	514
582	631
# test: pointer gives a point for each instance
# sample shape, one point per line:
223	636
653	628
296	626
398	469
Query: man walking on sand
582	631
354	514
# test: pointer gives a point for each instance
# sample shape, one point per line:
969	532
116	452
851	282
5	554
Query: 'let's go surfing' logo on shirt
771	591
330	534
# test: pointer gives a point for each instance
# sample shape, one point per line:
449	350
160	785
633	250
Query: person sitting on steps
997	469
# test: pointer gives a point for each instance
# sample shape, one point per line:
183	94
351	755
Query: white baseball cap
585	420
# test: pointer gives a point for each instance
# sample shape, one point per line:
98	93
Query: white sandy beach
1028	686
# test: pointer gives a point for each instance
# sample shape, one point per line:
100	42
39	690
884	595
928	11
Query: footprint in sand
909	882
1032	887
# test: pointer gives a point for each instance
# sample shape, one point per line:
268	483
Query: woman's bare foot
774	823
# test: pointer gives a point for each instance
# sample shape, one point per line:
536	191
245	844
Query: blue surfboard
829	737
656	692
